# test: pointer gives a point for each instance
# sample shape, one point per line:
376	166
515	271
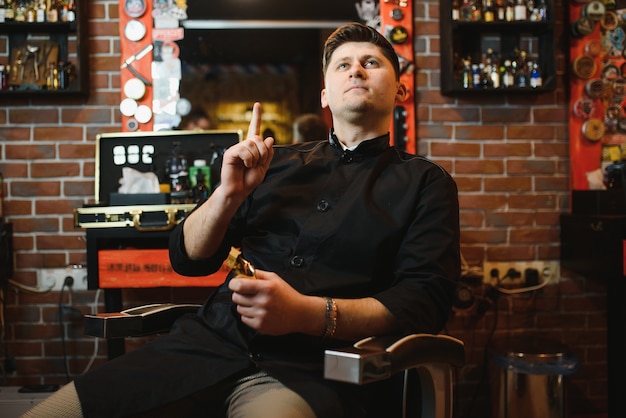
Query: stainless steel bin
528	377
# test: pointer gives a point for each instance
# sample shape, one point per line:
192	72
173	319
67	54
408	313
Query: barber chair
422	364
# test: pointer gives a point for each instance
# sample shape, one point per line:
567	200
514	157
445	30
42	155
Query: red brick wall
508	154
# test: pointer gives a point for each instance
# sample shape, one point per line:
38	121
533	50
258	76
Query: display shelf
471	39
54	42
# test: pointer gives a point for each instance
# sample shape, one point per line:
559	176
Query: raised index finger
255	121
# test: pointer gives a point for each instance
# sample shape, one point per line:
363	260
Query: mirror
237	52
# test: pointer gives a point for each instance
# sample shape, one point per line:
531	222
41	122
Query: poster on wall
597	120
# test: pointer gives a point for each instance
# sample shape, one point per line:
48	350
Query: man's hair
358	32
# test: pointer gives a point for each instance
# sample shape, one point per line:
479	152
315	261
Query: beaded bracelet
331	317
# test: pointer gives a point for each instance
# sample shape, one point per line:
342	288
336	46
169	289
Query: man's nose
357	70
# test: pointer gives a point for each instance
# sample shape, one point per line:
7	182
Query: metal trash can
527	377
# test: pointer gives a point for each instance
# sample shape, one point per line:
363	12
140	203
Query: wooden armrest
136	322
377	358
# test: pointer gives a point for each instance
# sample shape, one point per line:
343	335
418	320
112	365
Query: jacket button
255	356
297	261
323	206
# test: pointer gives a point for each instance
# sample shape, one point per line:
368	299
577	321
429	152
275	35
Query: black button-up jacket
331	222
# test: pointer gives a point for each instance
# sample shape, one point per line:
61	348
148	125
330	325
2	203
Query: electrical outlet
54	278
518	274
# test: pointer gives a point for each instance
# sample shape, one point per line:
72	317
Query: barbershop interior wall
508	154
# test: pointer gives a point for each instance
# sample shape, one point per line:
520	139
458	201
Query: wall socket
520	273
53	278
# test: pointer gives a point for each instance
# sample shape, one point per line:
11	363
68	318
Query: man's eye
342	66
371	63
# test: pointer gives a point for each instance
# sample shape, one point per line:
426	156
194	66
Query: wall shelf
471	39
56	42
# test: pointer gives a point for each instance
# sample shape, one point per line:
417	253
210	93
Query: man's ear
323	100
403	92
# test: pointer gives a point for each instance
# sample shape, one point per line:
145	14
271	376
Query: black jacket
331	222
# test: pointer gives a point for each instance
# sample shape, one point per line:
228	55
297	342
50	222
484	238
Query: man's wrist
331	315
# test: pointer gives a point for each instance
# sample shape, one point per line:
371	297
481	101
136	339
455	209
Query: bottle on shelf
52	11
20	11
71	10
2	11
509	15
466	74
466	10
456	10
30	12
542	8
508	75
521	76
489	12
40	11
500	10
200	189
9	11
52	77
520	10
475	76
535	76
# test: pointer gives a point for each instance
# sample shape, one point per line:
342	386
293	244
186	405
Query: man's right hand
243	169
245	164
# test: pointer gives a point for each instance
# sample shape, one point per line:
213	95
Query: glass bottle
477	10
41	11
521	76
510	11
30	12
2	11
535	76
456	10
9	11
508	75
494	75
542	8
71	11
466	11
20	11
485	80
53	12
500	10
475	76
466	75
520	10
489	14
51	78
200	190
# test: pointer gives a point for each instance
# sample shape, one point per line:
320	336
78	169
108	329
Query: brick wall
508	154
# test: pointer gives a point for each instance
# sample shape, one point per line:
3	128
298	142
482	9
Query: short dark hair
358	32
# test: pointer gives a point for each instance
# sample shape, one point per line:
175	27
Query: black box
599	202
148	152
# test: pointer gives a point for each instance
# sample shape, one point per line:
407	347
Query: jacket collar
369	147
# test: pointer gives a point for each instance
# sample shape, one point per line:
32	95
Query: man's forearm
205	228
355	319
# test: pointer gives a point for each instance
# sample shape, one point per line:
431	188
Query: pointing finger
255	121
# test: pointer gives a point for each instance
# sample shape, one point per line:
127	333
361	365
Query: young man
349	238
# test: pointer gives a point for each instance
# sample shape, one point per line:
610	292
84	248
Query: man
197	119
309	127
349	238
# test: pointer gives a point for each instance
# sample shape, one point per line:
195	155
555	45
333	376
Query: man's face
359	79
